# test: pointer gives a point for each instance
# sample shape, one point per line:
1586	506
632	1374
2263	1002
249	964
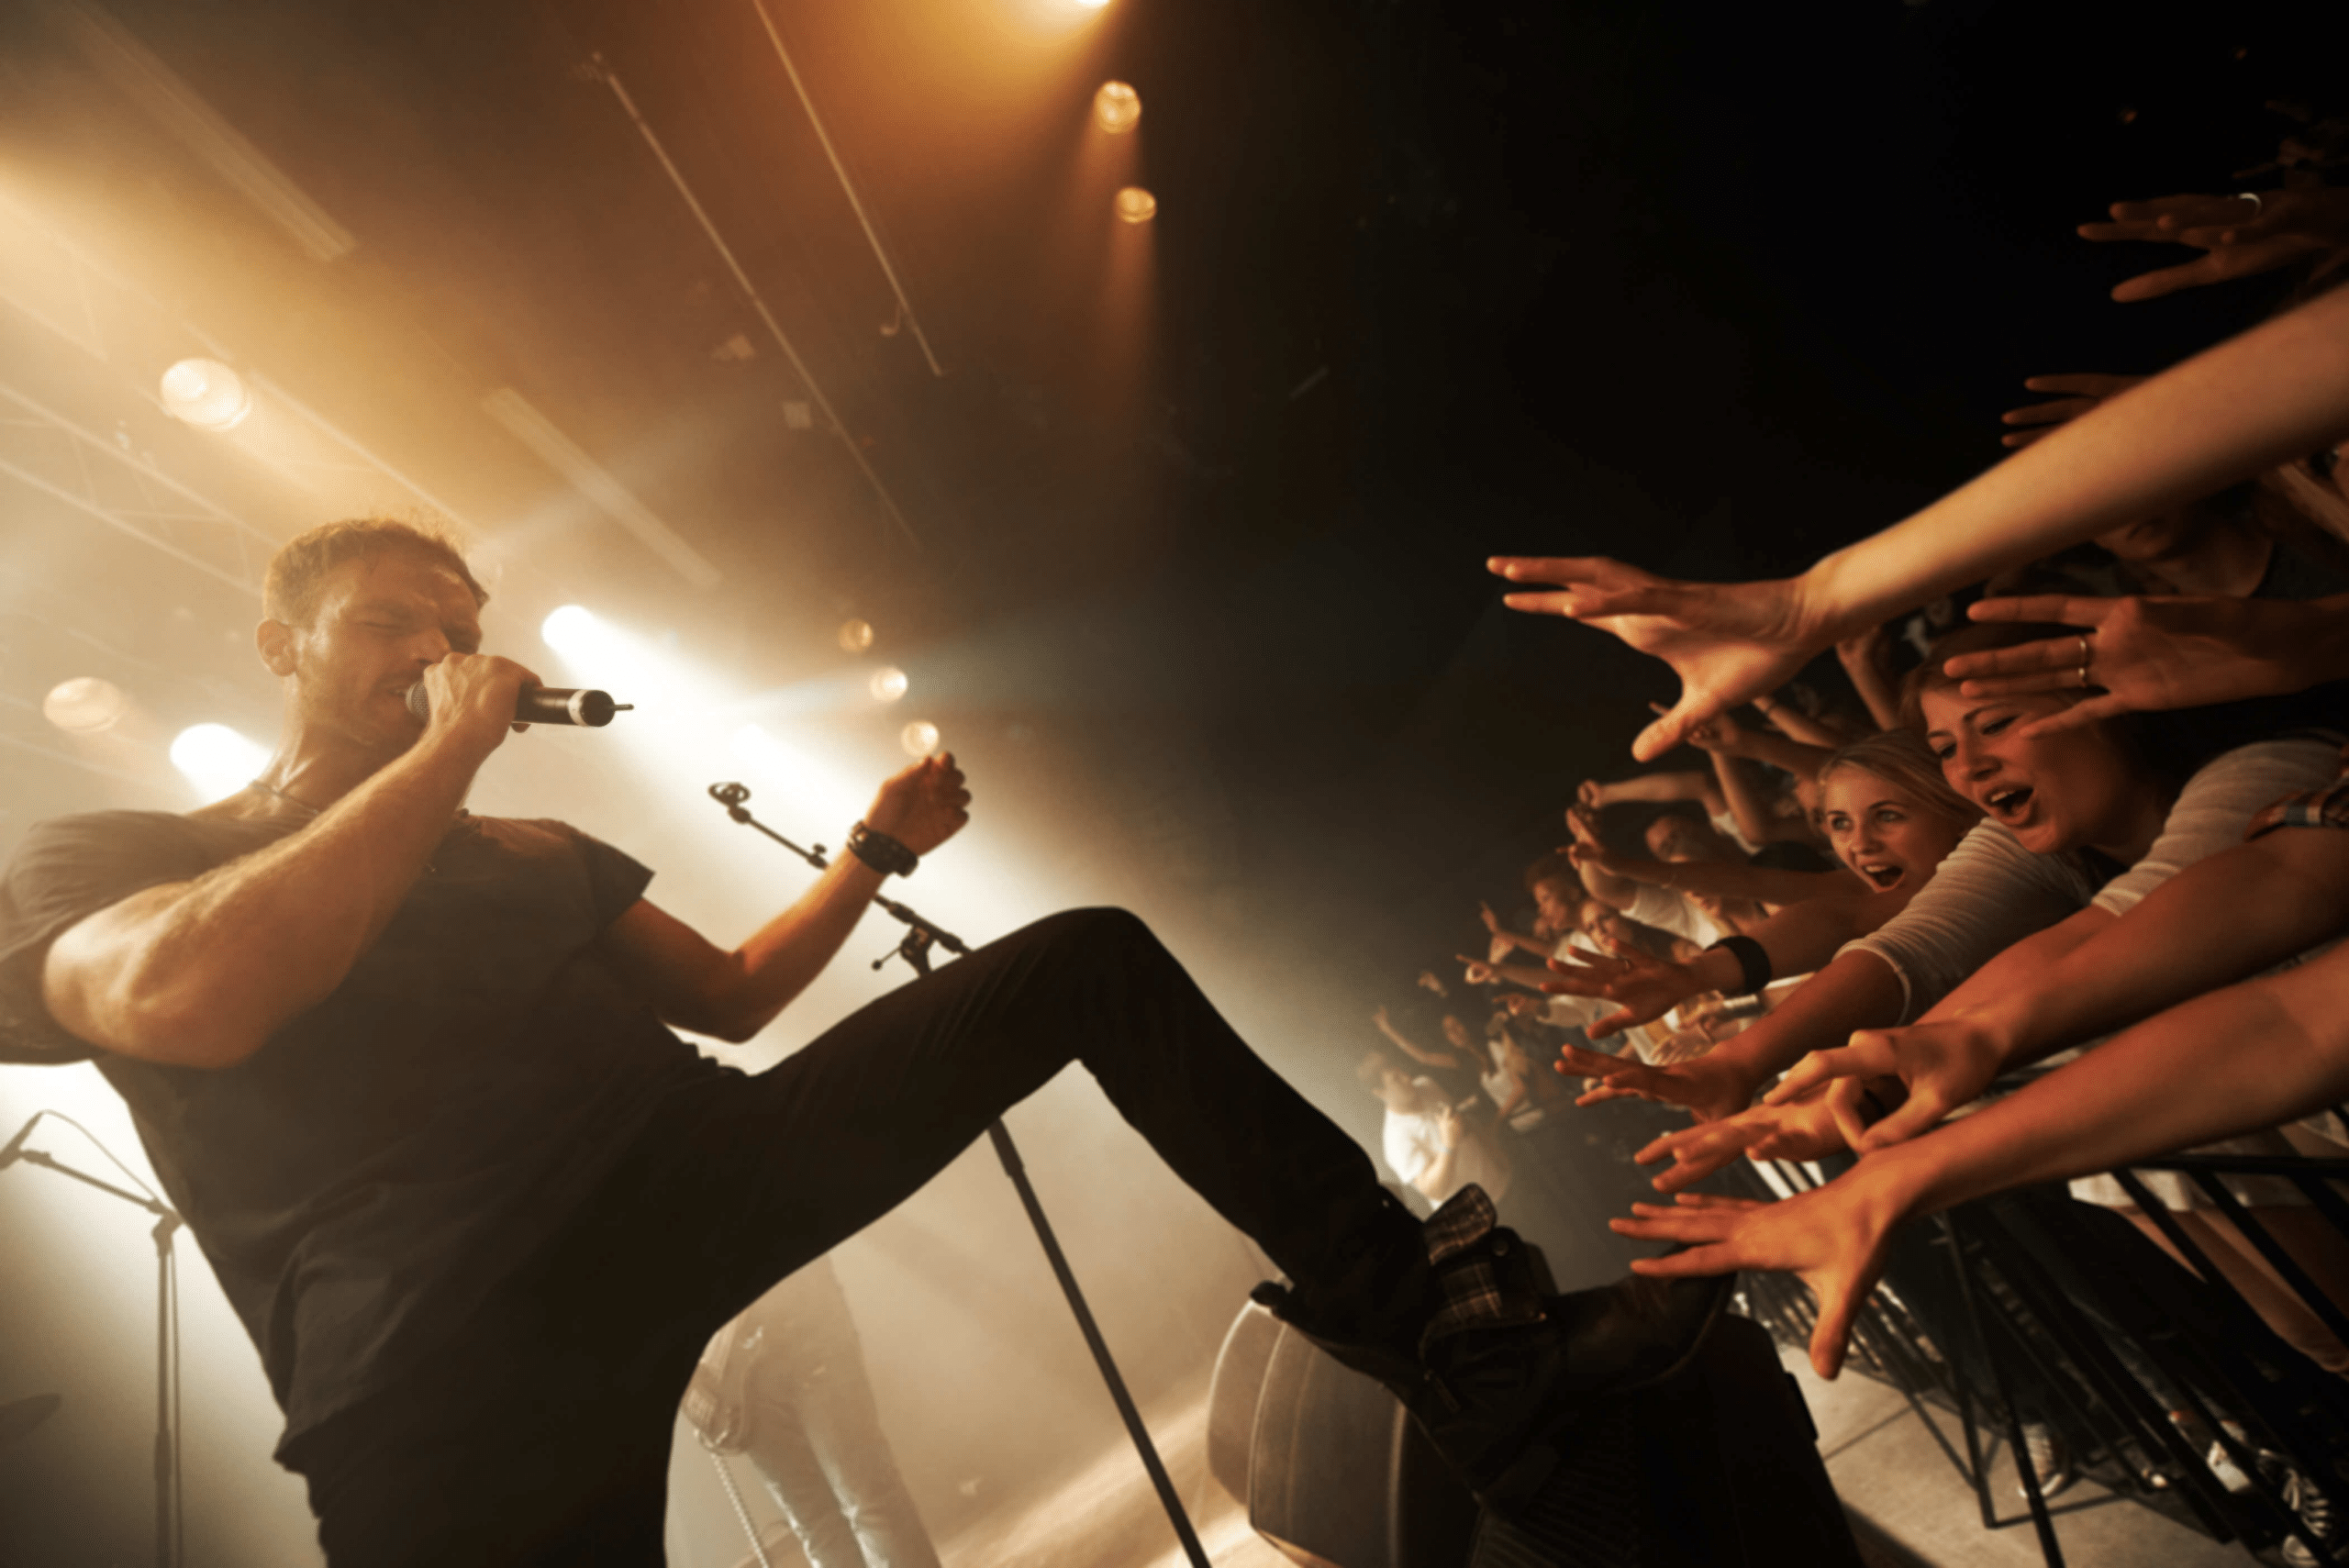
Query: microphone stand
168	1510
921	935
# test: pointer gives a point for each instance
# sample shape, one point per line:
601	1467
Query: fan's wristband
1752	963
882	852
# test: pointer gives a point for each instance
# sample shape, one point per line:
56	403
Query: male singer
409	1075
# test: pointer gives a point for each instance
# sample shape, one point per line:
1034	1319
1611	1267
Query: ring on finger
2257	206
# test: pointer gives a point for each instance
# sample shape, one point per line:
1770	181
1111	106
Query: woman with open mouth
1891	820
2081	824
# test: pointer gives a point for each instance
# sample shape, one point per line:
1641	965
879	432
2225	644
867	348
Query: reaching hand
1646	987
1721	734
1804	1129
1631	869
1501	948
1582	821
1945	1062
1590	793
1833	1238
1479	972
1708	1088
2146	654
2076	395
1725	640
1428	982
2240	235
1492	921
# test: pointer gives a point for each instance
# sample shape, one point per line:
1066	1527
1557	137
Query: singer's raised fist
473	695
922	807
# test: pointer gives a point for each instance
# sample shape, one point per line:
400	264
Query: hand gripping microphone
542	705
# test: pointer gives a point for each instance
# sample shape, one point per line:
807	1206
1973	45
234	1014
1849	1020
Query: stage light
1117	107
919	739
1090	4
206	395
888	683
83	705
573	628
856	636
1136	204
216	760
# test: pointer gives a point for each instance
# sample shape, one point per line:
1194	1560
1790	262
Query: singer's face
381	622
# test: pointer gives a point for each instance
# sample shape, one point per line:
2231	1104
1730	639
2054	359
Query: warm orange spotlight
856	636
206	395
1117	107
1136	204
1091	4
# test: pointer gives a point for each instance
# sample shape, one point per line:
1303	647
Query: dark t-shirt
360	1182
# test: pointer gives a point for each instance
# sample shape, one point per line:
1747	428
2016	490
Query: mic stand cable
915	950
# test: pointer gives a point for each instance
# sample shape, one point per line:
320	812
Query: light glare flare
1135	204
570	629
919	739
856	636
218	760
1117	107
206	395
83	705
887	685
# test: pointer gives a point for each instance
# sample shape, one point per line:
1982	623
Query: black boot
1493	1363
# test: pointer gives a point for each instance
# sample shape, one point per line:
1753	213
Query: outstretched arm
2240	911
1686	784
2173	1082
2276	392
1402	1042
697	986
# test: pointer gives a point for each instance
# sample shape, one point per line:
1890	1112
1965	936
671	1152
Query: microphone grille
420	702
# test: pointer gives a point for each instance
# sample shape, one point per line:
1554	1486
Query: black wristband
1752	963
882	852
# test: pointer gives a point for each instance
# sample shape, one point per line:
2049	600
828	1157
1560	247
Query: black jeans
545	1436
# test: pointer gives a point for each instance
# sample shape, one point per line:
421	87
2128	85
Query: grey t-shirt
363	1181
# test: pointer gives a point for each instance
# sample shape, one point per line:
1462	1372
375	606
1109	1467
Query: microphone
542	705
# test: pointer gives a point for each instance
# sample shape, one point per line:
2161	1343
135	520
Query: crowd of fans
2083	807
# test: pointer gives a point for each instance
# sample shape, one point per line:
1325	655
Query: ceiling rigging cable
905	306
759	304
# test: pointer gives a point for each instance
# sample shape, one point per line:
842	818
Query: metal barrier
2031	1306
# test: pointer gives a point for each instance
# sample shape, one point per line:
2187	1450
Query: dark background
1190	574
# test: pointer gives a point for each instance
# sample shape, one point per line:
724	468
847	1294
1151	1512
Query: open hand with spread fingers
1833	1238
2147	654
2240	235
1708	1088
1646	987
1801	1129
1727	641
1942	1062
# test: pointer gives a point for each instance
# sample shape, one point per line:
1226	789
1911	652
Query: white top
1991	892
1668	911
1726	826
1414	1142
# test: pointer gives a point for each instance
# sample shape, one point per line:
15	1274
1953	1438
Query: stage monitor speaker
1718	1468
1333	1470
